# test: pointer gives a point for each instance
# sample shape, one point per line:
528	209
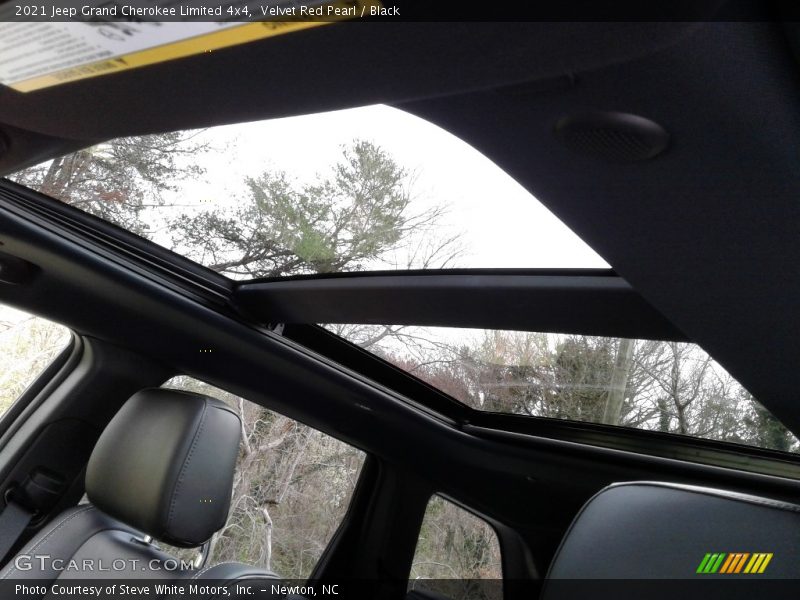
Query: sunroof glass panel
669	387
366	189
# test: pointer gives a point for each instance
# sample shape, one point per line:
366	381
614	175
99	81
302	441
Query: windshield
670	387
364	189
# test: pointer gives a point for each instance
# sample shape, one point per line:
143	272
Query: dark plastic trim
114	243
586	302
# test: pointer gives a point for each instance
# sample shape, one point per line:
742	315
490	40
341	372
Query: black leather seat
164	468
687	539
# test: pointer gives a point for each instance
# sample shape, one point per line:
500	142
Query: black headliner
380	62
707	233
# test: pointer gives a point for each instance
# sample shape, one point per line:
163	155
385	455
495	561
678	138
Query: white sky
11	317
501	223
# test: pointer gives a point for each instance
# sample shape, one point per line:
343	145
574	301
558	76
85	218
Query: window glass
291	489
369	188
28	345
456	552
669	387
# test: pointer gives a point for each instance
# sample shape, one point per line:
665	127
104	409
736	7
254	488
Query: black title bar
88	11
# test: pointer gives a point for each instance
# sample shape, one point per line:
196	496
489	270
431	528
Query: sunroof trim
667	387
114	242
551	300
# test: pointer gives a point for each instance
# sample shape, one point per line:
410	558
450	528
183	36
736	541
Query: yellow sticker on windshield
38	55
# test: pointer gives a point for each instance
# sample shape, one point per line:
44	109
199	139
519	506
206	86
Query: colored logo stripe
734	562
710	563
759	562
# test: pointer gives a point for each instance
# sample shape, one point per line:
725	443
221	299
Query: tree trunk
619	382
267	539
663	415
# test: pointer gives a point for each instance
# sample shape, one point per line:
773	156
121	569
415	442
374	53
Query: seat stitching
186	466
714	493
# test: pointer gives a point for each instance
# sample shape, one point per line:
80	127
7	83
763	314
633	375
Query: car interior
669	147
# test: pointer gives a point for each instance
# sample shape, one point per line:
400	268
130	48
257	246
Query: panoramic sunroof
669	387
356	190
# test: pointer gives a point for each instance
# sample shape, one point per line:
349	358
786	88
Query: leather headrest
165	464
660	531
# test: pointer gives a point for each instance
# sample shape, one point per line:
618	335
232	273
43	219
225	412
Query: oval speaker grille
611	136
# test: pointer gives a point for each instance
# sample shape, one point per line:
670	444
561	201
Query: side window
291	489
28	345
457	552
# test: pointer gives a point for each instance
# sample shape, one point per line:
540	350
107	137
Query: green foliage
581	372
766	431
354	215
